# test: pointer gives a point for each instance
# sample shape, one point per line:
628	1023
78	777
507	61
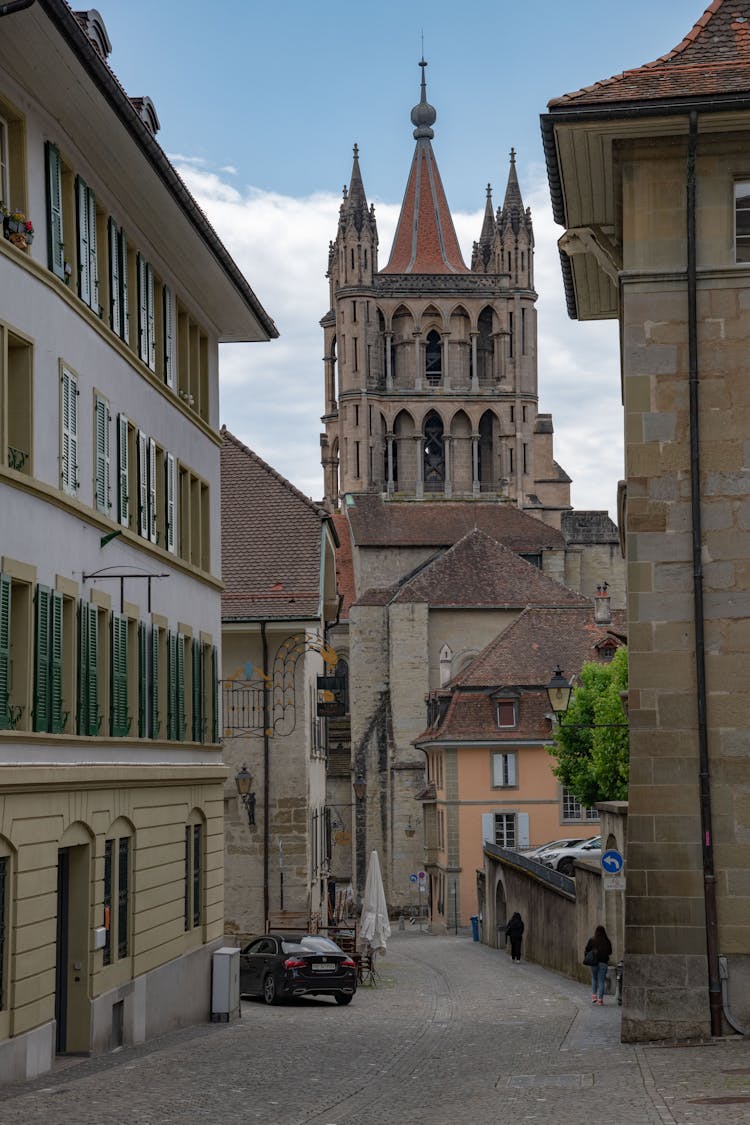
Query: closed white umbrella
376	929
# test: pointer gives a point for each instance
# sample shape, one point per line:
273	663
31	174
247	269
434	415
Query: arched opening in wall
458	366
433	358
404	465
461	454
488	469
434	453
402	346
485	347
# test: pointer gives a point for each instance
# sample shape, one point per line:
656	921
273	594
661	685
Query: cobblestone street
452	1032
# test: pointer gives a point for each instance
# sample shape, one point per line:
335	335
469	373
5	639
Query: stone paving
453	1032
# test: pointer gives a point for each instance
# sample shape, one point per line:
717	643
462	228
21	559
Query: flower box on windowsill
18	231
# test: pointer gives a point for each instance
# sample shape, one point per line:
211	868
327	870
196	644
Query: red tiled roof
425	239
377	523
479	571
712	59
472	716
270	540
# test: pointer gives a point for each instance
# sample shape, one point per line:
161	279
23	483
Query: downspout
709	877
266	765
15	6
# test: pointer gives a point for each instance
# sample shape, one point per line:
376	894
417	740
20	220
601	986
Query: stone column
389	439
474	361
388	361
448	448
419	485
418	365
444	339
475	489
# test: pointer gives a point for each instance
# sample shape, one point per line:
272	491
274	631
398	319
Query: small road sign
612	862
413	879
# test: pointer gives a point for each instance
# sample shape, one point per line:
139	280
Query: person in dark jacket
514	933
602	948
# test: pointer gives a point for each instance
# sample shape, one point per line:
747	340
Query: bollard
618	981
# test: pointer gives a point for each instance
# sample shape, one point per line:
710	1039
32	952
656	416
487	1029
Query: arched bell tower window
434	454
433	358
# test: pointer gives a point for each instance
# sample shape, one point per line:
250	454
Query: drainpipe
266	764
15	6
709	877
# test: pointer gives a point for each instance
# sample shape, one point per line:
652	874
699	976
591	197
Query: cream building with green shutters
111	776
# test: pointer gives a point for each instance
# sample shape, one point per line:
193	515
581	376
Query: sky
260	105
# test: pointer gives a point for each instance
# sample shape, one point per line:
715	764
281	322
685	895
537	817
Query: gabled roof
541	639
713	58
425	239
271	538
378	523
479	571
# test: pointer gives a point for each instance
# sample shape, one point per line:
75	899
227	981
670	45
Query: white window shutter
522	825
142	310
84	263
93	256
115	296
102	466
152	531
69	434
150	319
488	828
497	769
124	285
54	212
123	499
512	768
142	484
168	338
170	485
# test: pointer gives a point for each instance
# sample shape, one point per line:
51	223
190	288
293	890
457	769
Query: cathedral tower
431	366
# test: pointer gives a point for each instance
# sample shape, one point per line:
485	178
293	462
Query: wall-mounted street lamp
559	693
410	830
360	788
243	779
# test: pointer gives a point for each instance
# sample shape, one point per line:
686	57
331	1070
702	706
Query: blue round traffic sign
612	862
412	879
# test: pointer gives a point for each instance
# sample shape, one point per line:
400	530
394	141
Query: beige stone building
433	429
279	598
650	176
111	778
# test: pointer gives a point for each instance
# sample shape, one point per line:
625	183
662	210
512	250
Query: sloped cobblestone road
453	1032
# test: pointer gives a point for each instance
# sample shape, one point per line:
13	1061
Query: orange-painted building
488	766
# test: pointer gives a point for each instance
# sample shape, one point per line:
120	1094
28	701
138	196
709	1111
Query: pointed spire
354	208
513	192
482	253
425	240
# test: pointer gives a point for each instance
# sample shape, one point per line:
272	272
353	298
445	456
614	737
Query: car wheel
269	990
566	867
343	998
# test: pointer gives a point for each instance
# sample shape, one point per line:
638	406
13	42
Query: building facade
114	295
278	602
649	176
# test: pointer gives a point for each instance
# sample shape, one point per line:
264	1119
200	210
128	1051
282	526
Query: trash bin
475	927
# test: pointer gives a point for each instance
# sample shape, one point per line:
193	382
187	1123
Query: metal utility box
225	985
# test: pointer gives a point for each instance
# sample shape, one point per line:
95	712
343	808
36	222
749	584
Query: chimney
602	605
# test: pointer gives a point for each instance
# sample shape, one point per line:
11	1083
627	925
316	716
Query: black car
280	965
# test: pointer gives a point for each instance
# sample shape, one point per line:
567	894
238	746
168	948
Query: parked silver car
563	859
554	845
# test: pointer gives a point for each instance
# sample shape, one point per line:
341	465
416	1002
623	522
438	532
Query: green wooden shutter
123	247
155	720
214	694
115	292
142	308
56	717
102	456
41	660
69	434
123	499
92	672
5	585
142	679
153	529
180	687
171	685
150	318
84	261
197	691
119	696
169	364
93	252
55	248
83	668
170	487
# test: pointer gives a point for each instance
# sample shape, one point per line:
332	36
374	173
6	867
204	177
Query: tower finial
423	115
512	156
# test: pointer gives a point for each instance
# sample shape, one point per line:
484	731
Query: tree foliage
592	751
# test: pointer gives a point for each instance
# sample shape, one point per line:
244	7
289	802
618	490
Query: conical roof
425	240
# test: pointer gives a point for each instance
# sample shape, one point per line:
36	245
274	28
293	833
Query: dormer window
742	221
506	711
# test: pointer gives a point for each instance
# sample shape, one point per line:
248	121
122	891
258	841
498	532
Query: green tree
590	745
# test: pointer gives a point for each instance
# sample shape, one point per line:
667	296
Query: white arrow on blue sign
612	862
413	879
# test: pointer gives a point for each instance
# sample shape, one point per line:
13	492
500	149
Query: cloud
272	394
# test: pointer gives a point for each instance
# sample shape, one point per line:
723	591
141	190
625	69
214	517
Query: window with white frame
194	863
742	221
88	258
574	810
117	896
119	311
504	769
506	711
146	325
505	830
102	465
69	432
